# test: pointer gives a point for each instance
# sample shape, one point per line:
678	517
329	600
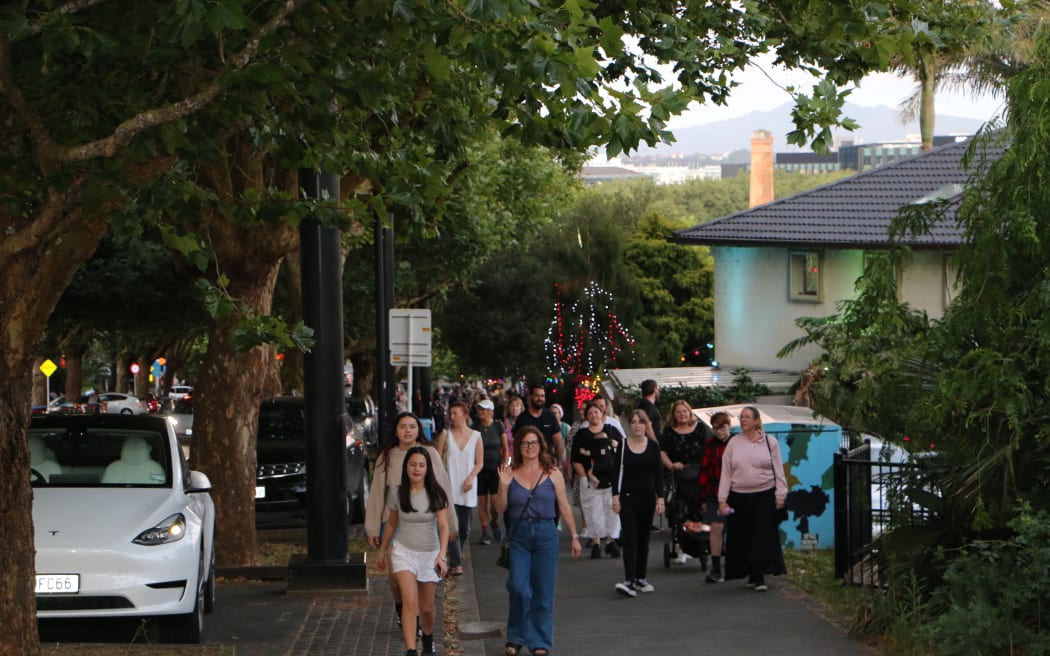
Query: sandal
540	651
456	571
512	649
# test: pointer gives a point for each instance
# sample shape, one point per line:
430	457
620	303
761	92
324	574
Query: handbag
780	515
503	560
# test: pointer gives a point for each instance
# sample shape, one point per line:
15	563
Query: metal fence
870	498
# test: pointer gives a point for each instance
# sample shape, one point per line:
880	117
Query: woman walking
417	555
465	456
594	461
532	496
682	448
751	490
637	494
386	477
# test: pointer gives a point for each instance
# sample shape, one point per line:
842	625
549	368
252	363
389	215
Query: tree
223	100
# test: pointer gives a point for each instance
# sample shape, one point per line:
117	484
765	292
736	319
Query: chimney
761	167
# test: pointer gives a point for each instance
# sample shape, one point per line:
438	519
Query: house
799	256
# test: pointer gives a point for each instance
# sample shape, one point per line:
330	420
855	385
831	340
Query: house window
806	271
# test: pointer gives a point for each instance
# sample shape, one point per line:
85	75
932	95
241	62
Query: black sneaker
428	644
612	549
714	576
596	551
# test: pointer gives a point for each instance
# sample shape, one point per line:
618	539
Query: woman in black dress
638	494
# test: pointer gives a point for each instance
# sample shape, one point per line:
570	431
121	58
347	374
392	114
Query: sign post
47	367
410	341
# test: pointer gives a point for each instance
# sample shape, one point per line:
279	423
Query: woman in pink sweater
750	491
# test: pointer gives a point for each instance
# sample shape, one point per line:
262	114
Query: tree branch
132	127
34	28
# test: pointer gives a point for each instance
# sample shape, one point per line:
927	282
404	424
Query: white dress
460	463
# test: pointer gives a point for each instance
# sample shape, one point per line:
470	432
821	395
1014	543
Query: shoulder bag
779	514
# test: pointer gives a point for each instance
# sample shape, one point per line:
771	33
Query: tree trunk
226	417
927	101
74	373
34	270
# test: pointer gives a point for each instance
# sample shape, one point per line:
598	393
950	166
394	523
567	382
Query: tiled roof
852	213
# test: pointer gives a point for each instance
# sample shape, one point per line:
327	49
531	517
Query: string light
585	341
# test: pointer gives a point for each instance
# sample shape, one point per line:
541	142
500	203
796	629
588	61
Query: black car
280	482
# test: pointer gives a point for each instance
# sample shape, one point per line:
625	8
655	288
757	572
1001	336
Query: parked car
180	413
362	410
123	528
179	391
125	404
281	452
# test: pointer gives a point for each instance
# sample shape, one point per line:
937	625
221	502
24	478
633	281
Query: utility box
808	445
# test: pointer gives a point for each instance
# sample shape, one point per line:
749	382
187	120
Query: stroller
689	535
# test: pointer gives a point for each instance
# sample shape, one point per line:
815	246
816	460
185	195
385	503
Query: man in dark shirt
538	415
650	397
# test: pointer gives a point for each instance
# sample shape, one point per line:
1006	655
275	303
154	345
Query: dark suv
280	481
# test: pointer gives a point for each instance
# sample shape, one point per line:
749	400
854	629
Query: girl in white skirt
417	556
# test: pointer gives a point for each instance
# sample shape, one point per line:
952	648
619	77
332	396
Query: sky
758	93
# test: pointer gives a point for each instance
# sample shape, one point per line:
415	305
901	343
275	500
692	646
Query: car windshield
98	457
285	424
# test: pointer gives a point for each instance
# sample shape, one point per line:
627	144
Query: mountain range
877	124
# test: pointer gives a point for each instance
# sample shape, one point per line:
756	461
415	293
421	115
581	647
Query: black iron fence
870	498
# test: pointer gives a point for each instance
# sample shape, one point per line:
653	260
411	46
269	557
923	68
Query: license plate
260	492
57	583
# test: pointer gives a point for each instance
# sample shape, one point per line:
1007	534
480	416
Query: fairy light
588	337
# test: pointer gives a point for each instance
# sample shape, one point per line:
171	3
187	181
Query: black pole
323	378
382	335
386	382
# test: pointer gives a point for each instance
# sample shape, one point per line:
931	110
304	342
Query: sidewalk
683	615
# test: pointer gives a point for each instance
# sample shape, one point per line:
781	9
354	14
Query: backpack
603	461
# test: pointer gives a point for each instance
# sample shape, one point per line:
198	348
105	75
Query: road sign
47	367
410	337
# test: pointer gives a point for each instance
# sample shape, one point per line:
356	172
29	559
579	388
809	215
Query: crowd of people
522	465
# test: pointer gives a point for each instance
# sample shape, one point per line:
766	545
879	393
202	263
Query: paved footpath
684	615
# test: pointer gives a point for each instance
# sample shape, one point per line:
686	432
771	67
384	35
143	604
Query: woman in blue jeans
532	497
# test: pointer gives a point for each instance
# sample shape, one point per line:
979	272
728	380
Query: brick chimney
761	167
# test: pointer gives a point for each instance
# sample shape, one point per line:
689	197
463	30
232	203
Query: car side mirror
199	482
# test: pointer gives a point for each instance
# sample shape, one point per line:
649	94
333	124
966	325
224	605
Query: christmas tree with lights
586	339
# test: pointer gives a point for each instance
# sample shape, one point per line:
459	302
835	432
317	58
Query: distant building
850	156
596	175
864	157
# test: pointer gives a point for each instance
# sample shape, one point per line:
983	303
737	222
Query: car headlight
170	530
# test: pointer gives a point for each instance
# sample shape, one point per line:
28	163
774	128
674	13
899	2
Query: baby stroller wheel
667	555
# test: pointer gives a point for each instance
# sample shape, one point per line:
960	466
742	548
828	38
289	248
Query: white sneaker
641	585
683	558
761	587
625	589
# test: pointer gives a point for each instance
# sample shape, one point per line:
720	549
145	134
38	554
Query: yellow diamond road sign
48	367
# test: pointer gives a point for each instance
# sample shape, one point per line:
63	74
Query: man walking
650	397
537	414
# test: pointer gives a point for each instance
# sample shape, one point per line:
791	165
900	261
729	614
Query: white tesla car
123	528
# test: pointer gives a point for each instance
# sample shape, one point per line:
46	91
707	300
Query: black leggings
636	521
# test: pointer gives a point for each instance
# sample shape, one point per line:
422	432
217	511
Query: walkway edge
467	602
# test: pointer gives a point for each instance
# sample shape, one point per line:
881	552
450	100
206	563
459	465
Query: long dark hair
392	441
436	496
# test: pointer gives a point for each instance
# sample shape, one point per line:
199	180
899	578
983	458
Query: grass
813	572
